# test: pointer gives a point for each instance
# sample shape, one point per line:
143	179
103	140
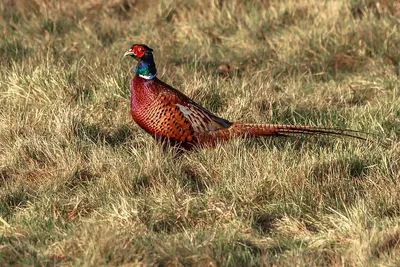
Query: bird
175	119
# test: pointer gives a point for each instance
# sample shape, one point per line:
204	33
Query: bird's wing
201	119
177	111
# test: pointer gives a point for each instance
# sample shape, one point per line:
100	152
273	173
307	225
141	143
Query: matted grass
82	184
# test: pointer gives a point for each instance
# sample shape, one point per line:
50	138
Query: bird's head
139	51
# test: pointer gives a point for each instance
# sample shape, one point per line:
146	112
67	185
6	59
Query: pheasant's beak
130	52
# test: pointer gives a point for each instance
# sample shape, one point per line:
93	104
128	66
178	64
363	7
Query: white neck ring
148	77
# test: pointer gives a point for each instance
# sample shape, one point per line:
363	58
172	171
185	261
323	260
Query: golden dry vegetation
81	184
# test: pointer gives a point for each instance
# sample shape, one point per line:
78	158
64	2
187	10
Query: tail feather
255	130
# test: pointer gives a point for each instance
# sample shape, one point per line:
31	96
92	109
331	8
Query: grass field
82	184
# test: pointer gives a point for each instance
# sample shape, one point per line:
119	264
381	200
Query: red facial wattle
139	51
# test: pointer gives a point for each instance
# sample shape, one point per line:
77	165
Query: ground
82	184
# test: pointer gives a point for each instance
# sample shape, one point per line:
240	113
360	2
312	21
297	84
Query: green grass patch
82	184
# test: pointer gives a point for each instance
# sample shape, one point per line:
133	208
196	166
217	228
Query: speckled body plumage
172	117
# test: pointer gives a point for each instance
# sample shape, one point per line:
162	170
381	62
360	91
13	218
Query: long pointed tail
254	130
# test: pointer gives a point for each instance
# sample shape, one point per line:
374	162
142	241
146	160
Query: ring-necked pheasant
169	115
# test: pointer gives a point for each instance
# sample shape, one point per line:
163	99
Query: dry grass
81	184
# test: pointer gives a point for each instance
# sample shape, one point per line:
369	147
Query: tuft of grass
58	27
81	184
12	51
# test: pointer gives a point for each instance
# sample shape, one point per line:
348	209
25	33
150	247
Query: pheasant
173	118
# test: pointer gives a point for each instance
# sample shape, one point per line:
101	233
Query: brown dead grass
81	184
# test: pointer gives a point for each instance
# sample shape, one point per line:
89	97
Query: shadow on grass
5	175
95	133
12	51
353	168
16	251
193	179
223	251
82	177
57	27
11	201
168	224
387	244
341	179
264	223
164	226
